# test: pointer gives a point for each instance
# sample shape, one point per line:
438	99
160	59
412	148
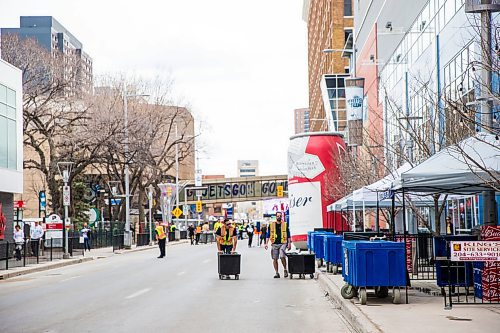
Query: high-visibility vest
161	233
272	232
173	227
198	229
217	225
226	238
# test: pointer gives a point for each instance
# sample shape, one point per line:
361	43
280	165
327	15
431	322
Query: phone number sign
475	251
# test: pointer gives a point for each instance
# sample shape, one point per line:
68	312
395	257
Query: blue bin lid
373	244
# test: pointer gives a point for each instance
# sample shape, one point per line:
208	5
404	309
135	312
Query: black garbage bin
171	236
184	234
301	264
229	264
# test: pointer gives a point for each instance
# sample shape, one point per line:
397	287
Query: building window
8	137
347	7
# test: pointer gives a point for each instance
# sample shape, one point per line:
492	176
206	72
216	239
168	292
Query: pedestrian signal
198	206
279	191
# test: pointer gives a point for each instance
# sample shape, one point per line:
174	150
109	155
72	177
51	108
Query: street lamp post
127	236
64	169
150	199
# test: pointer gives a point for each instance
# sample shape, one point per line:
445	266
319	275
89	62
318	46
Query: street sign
279	191
197	178
42	199
185	210
177	212
199	207
67	221
475	251
18	204
66	196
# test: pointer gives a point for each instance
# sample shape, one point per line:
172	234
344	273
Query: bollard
51	241
7	257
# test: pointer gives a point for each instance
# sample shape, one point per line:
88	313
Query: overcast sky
241	65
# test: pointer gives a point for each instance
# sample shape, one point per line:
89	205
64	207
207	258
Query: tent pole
364	217
404	237
377	217
393	217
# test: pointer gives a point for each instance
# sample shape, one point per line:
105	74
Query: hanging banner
475	251
354	102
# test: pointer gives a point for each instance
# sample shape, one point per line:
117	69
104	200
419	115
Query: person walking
19	241
84	232
263	232
198	234
161	238
250	230
278	232
241	230
227	238
36	238
191	233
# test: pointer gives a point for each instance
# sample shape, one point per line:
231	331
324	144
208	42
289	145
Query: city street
182	293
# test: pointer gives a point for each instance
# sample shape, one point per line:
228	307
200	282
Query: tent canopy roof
470	166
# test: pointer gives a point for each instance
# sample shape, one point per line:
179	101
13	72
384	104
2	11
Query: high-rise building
330	27
248	168
301	120
53	36
11	144
249	209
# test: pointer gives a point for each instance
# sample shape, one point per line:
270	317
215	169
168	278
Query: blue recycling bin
318	245
374	263
332	252
333	248
309	240
452	273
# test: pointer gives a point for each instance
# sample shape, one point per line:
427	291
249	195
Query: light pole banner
354	102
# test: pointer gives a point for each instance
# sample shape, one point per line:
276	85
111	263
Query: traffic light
199	208
279	191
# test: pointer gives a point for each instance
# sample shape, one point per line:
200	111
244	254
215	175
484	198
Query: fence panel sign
475	251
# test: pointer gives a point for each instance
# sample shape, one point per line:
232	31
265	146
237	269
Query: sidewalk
424	313
92	255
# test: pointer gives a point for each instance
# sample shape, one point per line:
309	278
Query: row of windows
433	18
8	135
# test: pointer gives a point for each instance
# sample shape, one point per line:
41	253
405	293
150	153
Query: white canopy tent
471	166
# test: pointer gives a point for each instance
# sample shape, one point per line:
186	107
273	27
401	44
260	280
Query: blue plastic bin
377	263
309	240
318	245
333	249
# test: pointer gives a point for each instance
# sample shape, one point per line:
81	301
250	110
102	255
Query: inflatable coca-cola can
312	174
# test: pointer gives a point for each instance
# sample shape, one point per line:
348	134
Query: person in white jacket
19	240
36	238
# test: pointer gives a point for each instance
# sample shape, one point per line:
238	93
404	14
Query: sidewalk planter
332	252
452	273
229	264
378	265
300	264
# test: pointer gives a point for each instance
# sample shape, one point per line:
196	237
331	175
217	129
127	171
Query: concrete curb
67	262
42	267
359	321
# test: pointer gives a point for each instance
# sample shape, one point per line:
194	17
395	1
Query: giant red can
312	175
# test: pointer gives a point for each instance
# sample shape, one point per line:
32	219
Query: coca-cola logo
491	233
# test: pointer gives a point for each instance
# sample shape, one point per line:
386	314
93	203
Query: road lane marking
71	278
139	293
181	273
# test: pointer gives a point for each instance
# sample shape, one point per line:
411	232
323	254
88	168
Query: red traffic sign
18	204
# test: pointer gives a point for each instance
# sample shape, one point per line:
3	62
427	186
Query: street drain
458	319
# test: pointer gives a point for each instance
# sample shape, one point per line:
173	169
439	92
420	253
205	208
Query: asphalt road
136	292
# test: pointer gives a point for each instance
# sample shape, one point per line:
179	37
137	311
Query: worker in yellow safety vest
161	238
218	224
227	238
279	234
